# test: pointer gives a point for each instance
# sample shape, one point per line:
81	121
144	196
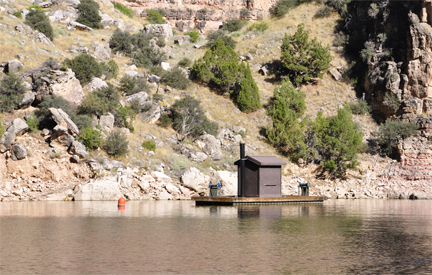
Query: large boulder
14	66
41	38
28	99
99	190
106	122
17	128
102	51
228	181
66	85
194	179
152	115
141	97
63	122
78	149
18	151
163	30
210	145
180	40
96	83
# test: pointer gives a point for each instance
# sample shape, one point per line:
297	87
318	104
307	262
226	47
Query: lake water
164	237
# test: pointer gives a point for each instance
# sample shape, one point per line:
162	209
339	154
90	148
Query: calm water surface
164	237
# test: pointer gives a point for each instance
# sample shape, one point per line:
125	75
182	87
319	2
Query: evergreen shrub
391	132
303	58
123	9
220	35
91	138
89	14
155	17
116	144
37	20
12	92
184	62
176	78
149	145
282	7
233	25
109	69
121	41
194	35
360	107
85	67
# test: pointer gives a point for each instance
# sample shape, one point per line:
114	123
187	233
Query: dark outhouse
262	175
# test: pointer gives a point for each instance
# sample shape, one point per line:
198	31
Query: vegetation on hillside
89	14
37	20
220	68
303	58
11	92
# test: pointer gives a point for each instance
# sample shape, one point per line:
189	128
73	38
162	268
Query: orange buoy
122	202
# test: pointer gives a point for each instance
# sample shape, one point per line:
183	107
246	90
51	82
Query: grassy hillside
326	95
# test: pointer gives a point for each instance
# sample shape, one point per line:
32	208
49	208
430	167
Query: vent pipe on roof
242	169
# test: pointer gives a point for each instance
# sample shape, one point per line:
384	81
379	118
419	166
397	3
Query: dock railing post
242	169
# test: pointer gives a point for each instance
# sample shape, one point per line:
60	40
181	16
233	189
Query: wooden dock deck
231	200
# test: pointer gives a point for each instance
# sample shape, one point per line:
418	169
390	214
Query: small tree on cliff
302	58
220	68
338	140
286	109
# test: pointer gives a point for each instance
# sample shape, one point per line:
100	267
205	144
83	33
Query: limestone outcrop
204	15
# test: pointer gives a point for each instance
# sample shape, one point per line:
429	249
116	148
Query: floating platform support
231	200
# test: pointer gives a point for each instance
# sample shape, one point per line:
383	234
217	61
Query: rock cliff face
205	15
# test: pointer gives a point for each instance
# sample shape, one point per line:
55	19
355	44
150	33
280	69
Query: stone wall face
204	15
416	153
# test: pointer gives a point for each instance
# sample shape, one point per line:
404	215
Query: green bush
259	27
135	105
130	85
157	70
148	57
123	9
17	14
33	123
304	59
176	79
157	97
220	68
2	128
154	17
83	121
184	62
121	41
91	138
189	119
220	35
35	7
282	7
160	42
247	98
323	12
52	101
116	144
100	101
164	121
89	14
12	92
360	107
141	40
391	133
149	145
338	140
287	107
194	35
391	101
37	20
124	117
85	67
233	25
109	69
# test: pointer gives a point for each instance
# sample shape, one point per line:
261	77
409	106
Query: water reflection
175	236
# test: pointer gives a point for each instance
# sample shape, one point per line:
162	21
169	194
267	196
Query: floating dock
231	200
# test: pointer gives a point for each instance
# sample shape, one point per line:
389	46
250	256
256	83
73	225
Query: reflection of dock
231	200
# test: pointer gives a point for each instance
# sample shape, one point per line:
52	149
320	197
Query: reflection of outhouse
262	175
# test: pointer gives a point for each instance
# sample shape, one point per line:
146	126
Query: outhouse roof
264	161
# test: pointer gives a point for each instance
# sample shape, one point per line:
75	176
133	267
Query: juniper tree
304	59
287	107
